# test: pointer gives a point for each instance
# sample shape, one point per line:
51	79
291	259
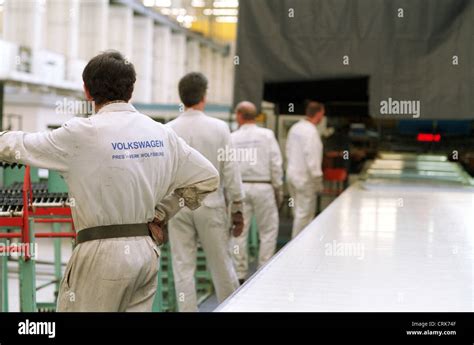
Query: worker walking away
127	175
262	174
304	154
209	223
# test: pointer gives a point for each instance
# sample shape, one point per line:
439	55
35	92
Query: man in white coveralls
127	175
209	224
262	174
304	154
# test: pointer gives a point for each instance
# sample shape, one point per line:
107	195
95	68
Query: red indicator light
428	137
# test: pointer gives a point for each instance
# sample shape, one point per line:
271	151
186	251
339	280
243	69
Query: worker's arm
49	150
231	177
312	149
276	163
195	178
276	169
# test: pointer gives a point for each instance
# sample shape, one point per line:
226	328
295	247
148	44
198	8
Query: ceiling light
198	3
163	3
157	3
221	12
226	19
226	3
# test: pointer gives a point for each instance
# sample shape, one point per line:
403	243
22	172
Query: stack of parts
11	198
392	168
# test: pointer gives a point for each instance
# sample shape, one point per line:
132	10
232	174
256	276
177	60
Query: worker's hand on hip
158	231
237	224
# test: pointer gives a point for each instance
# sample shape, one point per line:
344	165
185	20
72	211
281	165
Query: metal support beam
28	277
57	259
4	279
2	97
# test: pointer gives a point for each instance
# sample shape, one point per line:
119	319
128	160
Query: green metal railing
4	277
253	240
165	299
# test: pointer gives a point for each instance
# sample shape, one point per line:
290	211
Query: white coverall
262	174
304	153
119	165
210	223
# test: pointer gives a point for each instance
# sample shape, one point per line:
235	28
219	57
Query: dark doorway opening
342	96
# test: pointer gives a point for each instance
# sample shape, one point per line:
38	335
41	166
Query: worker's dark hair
313	107
192	88
109	77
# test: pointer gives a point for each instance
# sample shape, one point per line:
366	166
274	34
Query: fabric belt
112	231
257	181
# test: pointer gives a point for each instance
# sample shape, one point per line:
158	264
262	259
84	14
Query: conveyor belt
423	168
396	249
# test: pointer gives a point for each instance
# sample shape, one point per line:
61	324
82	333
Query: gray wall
407	58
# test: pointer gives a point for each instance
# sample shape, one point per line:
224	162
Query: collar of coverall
191	112
248	125
306	120
116	106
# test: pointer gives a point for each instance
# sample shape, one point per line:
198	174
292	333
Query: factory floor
284	235
45	272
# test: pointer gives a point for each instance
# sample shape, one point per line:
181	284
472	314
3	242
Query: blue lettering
135	145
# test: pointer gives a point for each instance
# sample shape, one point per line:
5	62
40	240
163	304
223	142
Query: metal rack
23	205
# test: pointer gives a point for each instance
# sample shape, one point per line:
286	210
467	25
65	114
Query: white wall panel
62	27
142	58
178	63
206	68
162	65
192	56
93	27
121	29
23	22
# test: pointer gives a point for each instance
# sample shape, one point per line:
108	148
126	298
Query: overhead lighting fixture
185	19
198	3
178	11
157	3
220	12
226	19
226	3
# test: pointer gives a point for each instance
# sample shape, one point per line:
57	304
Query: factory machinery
399	239
22	204
26	201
